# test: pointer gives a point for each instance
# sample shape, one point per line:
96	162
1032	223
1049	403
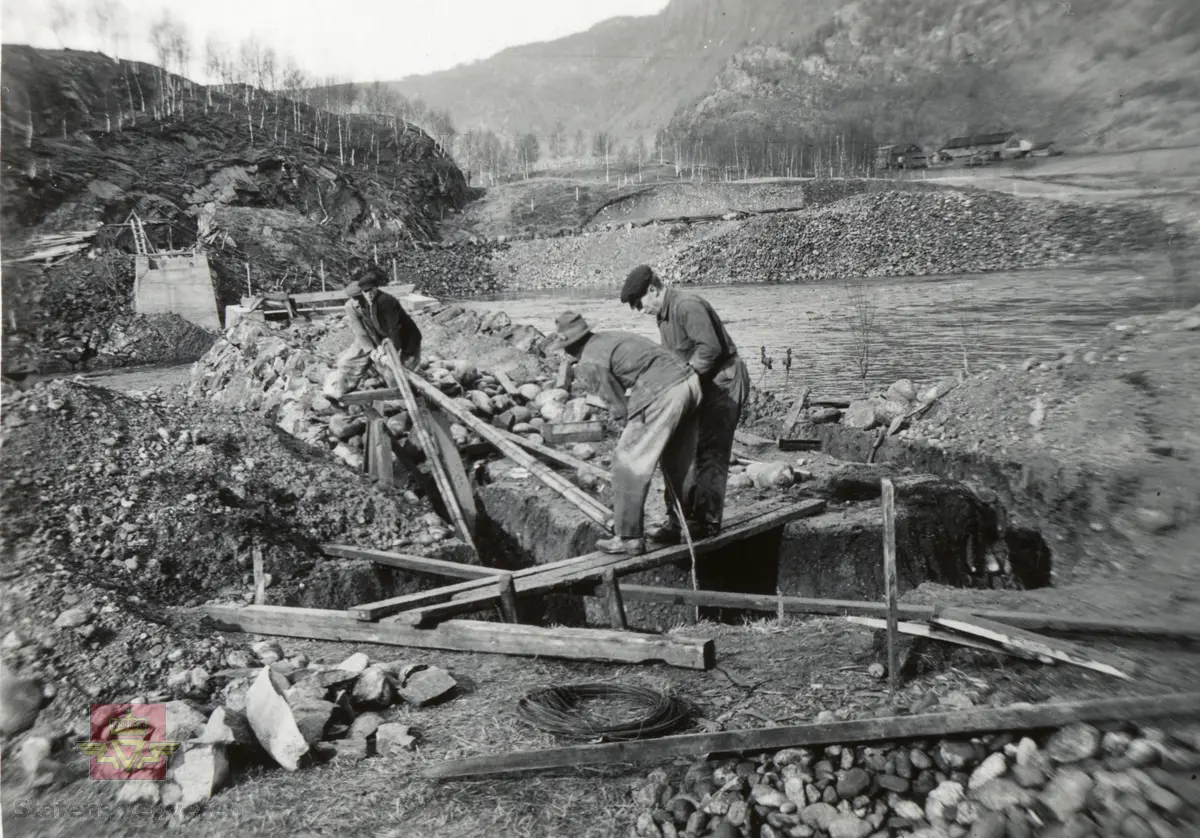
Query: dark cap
636	285
366	277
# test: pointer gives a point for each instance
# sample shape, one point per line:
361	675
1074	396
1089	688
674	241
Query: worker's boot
618	546
665	532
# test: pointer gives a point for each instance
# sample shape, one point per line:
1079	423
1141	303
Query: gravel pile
461	270
118	508
915	234
1078	781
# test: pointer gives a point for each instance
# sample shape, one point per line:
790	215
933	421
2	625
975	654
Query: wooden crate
592	431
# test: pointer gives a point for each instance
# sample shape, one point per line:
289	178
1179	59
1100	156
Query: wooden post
322	276
508	598
616	607
249	293
395	275
889	577
260	579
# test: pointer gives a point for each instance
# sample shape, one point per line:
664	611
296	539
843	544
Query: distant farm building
910	156
979	146
1046	149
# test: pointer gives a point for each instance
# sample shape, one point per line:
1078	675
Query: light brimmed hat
570	328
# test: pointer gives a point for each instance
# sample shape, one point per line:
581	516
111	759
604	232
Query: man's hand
411	362
379	356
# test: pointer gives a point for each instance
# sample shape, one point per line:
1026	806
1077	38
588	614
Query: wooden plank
1017	717
1178	631
260	579
968	623
793	414
753	440
506	383
377	610
927	631
559	457
428	443
452	463
369	396
889	577
798	444
591	431
593	570
407	561
470	636
508	598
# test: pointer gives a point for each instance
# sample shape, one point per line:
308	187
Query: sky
358	40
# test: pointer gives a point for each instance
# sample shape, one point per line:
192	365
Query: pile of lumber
52	248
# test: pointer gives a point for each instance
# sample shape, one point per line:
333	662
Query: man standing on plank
372	315
692	330
659	416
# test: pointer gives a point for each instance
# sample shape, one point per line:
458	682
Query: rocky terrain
1124	780
915	234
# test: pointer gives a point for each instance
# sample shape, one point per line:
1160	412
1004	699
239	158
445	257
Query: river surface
921	326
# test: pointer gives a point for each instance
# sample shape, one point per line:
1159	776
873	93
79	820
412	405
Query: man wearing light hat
373	316
659	415
692	330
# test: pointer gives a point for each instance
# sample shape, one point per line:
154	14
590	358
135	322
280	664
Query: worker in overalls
691	329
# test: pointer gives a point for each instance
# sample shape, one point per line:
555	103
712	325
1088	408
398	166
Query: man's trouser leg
353	361
641	446
720	410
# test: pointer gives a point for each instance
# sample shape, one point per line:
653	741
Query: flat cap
637	284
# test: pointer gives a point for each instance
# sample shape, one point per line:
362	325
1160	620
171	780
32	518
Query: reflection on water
922	324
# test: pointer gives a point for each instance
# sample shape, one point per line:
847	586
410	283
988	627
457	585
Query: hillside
272	186
625	75
1101	74
1097	74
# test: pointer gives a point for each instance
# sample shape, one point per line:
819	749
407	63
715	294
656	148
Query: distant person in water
659	414
373	316
691	329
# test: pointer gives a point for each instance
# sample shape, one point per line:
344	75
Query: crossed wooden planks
476	594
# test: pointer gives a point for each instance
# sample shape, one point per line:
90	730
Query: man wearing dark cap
373	315
659	415
692	330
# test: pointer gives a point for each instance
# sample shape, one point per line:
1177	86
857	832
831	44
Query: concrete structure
179	283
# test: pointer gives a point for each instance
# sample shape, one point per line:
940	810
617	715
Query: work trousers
703	493
354	361
665	431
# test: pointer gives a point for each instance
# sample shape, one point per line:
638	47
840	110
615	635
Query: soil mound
908	233
116	508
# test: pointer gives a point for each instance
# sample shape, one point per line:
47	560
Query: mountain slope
625	75
1090	74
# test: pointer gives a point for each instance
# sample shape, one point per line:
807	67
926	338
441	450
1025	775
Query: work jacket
613	362
386	318
692	330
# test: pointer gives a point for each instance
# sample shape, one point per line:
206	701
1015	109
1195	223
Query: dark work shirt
386	318
691	329
618	361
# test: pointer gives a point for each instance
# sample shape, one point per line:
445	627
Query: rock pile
907	233
267	710
1080	781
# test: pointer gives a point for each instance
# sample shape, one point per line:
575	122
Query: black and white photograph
644	418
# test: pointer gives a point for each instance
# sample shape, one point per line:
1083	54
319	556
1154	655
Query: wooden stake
249	293
322	276
977	720
508	597
260	578
616	608
889	578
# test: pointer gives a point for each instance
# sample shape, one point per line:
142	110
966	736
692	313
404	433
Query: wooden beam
793	414
396	604
508	598
616	608
407	561
593	569
1017	717
470	636
889	578
369	396
964	621
506	383
927	631
1178	631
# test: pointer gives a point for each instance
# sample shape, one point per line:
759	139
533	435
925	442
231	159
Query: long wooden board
964	621
401	603
593	570
460	483
978	720
928	631
1063	624
470	636
407	561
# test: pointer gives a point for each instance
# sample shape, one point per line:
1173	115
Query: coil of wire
607	712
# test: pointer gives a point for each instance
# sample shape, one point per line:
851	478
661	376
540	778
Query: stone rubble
1142	783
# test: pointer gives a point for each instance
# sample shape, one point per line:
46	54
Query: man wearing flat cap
373	316
692	330
659	416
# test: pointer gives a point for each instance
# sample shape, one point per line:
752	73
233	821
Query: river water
921	325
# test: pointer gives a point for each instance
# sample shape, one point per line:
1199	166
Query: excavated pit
948	532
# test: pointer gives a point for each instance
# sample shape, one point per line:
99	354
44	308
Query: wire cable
608	712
